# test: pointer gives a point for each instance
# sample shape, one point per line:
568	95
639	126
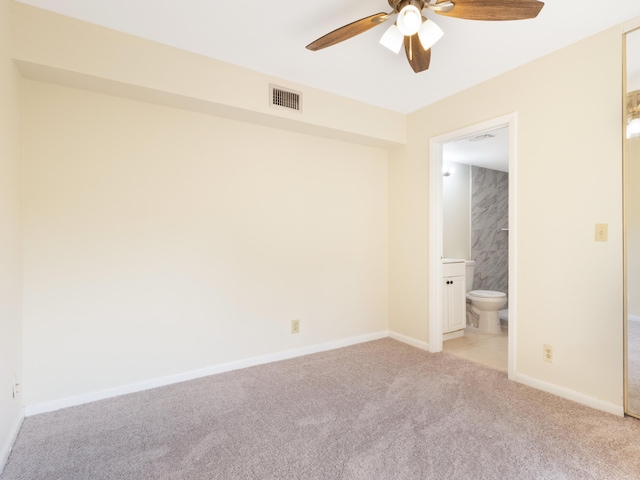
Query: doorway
436	228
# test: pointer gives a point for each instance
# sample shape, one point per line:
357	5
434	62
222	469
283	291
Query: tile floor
489	350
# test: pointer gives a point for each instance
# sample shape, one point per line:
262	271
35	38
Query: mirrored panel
632	219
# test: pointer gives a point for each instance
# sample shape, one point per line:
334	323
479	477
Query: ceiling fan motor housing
398	5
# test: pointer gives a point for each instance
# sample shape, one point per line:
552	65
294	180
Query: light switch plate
602	232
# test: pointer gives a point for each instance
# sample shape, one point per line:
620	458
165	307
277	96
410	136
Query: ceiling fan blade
348	31
418	57
494	9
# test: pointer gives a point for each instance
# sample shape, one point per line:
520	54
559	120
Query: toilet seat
485	294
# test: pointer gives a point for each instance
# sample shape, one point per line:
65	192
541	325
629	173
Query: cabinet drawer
453	269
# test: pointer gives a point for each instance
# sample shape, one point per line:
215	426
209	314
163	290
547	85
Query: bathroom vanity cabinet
455	302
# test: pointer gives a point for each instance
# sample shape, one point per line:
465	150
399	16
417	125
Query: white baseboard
191	375
11	439
409	341
569	394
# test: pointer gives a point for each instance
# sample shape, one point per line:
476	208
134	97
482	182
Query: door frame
436	229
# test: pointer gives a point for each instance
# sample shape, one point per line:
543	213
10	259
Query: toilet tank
470	265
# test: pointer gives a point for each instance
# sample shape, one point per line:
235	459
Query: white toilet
483	305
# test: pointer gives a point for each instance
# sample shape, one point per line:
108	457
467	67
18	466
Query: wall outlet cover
295	326
602	232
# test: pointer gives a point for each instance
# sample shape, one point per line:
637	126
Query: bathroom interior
475	194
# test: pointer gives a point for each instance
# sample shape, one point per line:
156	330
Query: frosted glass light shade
429	34
392	39
633	128
409	20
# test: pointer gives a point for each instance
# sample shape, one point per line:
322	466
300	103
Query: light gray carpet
379	410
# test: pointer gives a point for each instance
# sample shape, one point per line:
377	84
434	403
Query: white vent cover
284	98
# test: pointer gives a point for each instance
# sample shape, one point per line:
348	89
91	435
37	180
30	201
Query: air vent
479	138
285	99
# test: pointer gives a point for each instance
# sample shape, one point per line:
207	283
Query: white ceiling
270	37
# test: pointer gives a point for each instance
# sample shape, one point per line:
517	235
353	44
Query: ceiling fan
417	33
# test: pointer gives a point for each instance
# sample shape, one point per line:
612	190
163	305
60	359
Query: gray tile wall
489	214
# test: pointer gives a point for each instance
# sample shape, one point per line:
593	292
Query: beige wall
10	242
456	212
158	241
568	179
59	49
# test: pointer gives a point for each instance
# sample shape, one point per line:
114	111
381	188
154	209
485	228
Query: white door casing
436	294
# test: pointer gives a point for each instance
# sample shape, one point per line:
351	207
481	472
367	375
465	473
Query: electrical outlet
295	326
15	387
547	353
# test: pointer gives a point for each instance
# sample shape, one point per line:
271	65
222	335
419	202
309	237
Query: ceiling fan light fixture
393	39
429	33
409	20
419	34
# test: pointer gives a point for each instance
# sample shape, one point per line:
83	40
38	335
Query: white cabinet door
455	304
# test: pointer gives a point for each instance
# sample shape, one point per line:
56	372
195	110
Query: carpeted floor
379	410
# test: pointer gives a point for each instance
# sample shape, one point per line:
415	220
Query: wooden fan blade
494	9
348	31
418	57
